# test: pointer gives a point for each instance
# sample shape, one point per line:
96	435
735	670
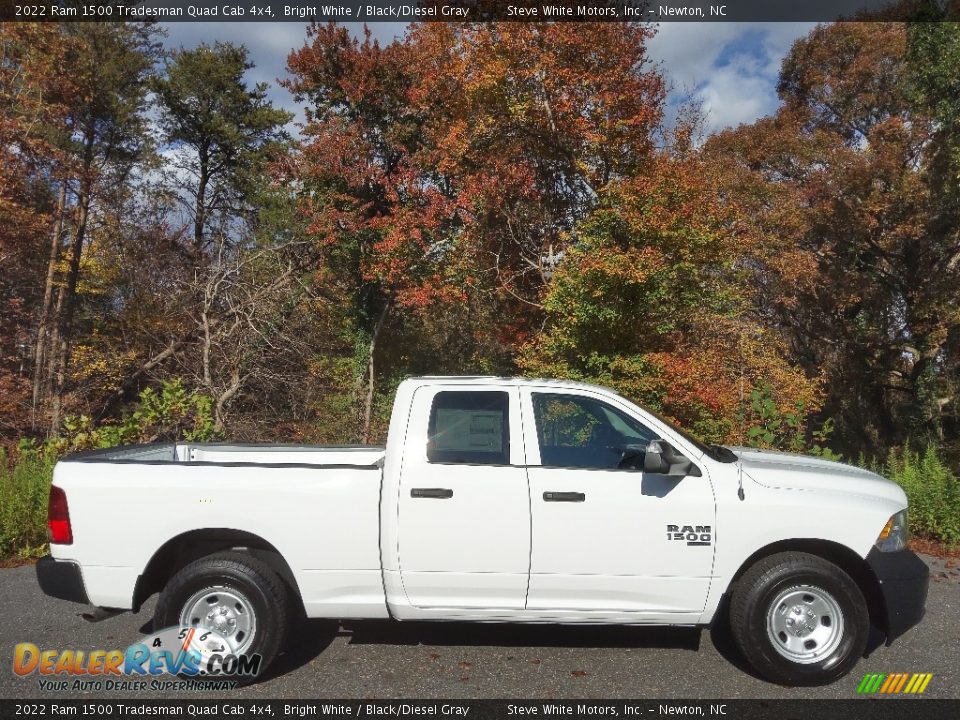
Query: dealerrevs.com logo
201	658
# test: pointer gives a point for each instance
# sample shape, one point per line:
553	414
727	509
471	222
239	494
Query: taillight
58	517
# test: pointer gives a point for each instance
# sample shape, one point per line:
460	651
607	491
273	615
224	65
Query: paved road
423	660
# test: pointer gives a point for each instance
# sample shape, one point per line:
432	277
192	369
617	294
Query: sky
729	68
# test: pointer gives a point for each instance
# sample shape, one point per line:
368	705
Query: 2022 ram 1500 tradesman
495	500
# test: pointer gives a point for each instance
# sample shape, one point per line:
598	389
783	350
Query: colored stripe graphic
890	682
926	681
894	683
900	683
870	683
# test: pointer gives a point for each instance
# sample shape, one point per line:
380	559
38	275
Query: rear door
464	506
601	542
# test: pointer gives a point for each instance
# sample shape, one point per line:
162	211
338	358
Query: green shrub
169	413
770	427
932	489
24	486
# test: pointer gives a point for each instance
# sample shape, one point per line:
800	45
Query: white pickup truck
495	500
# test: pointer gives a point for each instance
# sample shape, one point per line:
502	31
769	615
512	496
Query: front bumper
904	579
61	579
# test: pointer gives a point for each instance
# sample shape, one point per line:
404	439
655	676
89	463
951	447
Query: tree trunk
371	371
50	371
219	410
67	304
927	411
200	212
43	327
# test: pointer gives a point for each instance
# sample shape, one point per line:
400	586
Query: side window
470	427
578	432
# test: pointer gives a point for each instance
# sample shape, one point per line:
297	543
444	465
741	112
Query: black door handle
438	493
564	497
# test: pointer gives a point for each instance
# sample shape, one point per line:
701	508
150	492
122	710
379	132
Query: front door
601	539
464	507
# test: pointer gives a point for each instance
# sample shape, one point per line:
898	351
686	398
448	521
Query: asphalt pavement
388	660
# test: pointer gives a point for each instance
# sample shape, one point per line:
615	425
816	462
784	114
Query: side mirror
661	458
633	457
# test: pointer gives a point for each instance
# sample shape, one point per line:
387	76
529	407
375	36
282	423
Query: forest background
508	199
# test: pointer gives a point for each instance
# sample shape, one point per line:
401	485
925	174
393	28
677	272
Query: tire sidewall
192	579
840	660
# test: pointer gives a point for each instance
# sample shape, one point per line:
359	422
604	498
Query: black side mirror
661	458
653	460
632	458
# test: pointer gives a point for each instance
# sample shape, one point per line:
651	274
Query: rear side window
470	428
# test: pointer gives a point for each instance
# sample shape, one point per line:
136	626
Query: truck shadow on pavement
309	638
447	634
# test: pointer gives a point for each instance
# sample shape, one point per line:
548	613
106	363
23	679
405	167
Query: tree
380	220
933	55
859	266
147	308
34	97
448	169
651	301
530	124
224	138
104	137
219	131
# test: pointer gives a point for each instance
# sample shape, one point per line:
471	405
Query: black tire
751	608
242	574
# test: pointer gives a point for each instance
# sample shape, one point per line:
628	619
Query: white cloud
687	51
730	68
736	93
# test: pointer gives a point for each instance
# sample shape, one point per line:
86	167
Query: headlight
895	534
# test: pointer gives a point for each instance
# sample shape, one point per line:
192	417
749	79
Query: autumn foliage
511	198
652	299
859	260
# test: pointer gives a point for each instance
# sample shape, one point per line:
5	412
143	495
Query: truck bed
318	507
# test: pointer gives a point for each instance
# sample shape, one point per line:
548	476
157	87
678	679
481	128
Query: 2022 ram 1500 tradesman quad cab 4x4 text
495	500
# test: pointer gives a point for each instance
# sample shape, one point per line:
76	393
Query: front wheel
799	619
236	603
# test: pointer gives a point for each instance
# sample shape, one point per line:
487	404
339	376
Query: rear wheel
235	599
799	619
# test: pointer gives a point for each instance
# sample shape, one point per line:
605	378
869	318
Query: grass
933	490
24	487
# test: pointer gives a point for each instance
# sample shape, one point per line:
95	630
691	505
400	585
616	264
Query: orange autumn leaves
653	299
469	148
528	168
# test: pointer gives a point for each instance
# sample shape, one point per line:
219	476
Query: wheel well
180	551
841	556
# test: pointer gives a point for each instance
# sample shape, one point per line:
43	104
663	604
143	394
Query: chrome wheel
225	611
804	624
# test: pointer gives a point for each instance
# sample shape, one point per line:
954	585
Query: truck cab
527	497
